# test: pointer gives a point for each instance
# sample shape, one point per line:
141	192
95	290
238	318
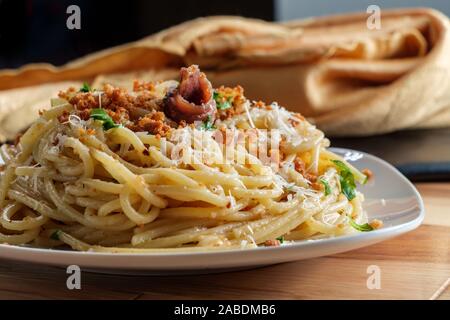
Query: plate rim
382	234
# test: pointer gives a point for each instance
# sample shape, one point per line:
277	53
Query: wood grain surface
413	266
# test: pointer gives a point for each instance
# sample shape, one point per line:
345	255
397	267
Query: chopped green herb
85	88
341	165
281	239
101	115
327	186
360	227
221	102
55	235
365	180
347	180
208	124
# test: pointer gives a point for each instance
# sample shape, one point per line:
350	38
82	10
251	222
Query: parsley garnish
55	235
360	227
85	88
326	185
221	102
208	124
101	115
281	239
346	179
365	179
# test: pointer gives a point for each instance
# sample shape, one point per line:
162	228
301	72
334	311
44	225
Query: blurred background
35	31
293	9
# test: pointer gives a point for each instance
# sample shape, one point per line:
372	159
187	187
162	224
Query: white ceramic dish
389	197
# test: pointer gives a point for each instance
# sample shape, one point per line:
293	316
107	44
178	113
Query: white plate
389	197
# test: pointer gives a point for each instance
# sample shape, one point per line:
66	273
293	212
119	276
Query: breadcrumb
272	243
376	224
368	173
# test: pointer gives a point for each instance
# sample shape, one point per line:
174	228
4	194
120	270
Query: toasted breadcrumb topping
236	98
368	173
272	243
143	108
300	167
139	110
376	224
154	122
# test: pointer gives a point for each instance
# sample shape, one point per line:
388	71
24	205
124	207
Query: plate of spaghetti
177	176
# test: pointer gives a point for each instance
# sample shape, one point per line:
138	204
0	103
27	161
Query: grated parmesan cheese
232	200
244	243
247	112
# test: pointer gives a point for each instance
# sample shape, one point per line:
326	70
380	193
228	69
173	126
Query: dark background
35	30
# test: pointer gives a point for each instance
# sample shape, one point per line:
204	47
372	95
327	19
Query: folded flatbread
345	77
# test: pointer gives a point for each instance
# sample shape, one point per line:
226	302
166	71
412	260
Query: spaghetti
173	166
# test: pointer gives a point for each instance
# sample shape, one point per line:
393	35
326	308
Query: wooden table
413	266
